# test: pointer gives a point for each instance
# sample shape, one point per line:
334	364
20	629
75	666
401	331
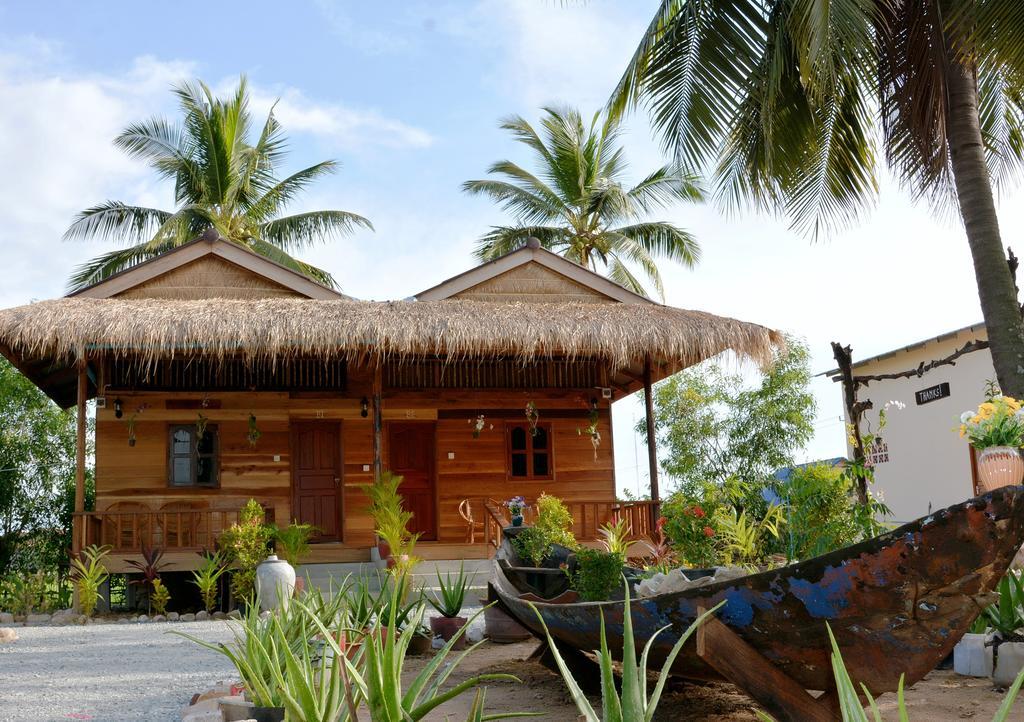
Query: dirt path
138	672
939	697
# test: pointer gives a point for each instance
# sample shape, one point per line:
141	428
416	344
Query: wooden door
411	456
316	477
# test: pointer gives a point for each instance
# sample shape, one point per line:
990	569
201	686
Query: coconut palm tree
781	97
222	180
578	206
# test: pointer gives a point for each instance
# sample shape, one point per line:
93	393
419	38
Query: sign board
932	393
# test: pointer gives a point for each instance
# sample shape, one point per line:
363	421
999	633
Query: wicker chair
472	526
181	528
123	528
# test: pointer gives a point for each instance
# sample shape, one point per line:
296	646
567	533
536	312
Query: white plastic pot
971	657
275	582
1009	662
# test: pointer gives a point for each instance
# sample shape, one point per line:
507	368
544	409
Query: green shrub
597	574
89	575
555	521
819	502
245	544
690	524
293	541
532	544
207	576
160	596
391	521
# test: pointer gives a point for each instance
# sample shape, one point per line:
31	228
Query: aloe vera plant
452	593
379	679
633	704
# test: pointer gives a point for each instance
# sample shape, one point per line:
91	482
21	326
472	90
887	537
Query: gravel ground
108	672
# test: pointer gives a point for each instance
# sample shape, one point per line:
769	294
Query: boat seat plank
737	661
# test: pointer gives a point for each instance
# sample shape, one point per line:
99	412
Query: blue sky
407	96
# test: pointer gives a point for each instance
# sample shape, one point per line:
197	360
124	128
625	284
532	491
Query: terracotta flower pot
501	628
420	645
447	627
1000	466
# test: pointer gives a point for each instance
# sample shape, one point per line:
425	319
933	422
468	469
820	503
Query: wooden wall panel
139	474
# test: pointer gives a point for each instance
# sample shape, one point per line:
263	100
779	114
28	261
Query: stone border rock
64	617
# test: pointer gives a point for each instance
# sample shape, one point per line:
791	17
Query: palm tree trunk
978	210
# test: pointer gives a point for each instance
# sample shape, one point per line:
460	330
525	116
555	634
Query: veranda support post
652	443
78	523
378	422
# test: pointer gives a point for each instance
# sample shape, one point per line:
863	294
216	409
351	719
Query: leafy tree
715	428
779	97
578	205
223	179
37	475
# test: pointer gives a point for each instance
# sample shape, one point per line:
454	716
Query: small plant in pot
293	545
996	431
448	603
1006	617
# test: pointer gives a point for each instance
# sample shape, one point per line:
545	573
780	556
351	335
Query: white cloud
556	53
55	138
339	126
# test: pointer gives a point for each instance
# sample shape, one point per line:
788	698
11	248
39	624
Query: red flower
662	521
708	531
698	512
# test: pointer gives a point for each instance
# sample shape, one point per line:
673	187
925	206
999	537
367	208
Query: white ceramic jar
275	582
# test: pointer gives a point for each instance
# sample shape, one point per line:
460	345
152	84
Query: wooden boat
897	603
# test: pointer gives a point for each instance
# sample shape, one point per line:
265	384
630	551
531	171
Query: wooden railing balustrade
170	530
588	518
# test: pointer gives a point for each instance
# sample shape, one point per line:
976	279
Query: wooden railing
170	530
588	518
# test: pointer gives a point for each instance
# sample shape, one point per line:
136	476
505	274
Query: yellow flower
1012	403
976	419
987	410
963	431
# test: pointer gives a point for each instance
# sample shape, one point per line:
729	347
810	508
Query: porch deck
184	534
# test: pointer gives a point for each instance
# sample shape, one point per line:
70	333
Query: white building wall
928	464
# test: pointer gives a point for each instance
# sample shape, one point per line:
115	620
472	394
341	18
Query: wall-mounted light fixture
364	407
118	409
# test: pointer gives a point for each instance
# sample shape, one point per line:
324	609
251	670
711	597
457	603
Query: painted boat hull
897	603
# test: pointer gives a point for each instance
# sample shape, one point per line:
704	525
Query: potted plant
515	507
1006	617
245	544
996	429
448	603
391	523
293	544
595	574
972	655
150	568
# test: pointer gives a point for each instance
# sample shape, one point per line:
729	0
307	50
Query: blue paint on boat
824	599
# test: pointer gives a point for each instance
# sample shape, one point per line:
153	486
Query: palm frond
283	192
662	239
691	70
665	186
505	239
275	254
113	220
619	273
524	205
108	264
305	229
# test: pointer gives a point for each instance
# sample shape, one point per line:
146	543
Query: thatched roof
57	332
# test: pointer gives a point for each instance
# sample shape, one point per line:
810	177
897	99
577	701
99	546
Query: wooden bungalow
220	376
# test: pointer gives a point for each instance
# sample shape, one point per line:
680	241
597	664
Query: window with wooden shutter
529	451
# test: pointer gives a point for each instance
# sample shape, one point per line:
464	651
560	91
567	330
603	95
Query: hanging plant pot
1000	466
